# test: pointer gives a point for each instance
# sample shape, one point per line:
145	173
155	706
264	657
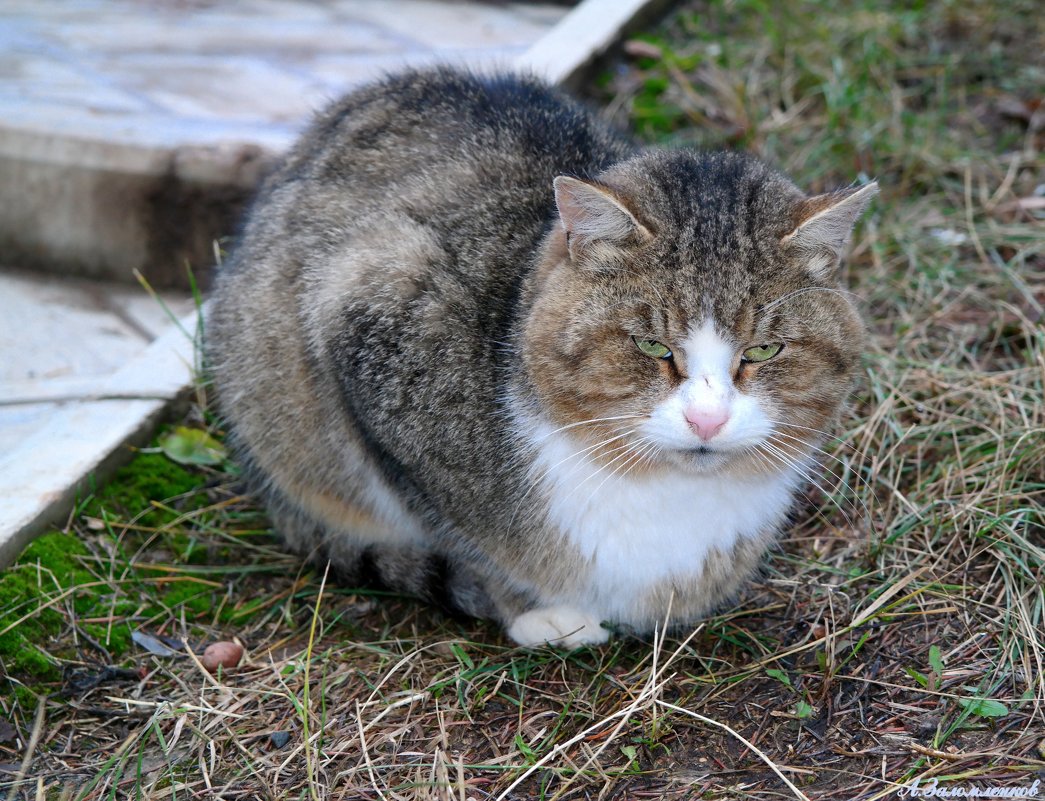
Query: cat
476	345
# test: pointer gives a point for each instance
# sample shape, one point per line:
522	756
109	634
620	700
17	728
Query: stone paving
196	72
62	337
130	131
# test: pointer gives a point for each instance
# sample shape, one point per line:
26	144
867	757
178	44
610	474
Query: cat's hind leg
367	553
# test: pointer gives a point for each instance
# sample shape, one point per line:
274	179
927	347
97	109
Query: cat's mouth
702	458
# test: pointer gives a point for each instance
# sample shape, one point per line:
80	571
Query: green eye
762	353
653	348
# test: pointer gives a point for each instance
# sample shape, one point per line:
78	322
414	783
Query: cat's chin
702	459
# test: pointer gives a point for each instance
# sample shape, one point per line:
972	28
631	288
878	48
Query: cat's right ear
593	217
823	225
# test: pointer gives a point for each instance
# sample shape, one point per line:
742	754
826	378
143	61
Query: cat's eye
653	348
762	353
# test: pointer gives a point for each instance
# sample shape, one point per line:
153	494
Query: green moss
187	549
197	599
149	478
54	566
46	569
117	637
57	551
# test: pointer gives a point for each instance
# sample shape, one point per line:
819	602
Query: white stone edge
86	440
582	36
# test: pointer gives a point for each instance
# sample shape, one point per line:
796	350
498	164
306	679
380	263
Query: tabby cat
475	345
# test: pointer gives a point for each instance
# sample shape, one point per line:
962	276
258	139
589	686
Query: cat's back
442	145
442	167
430	182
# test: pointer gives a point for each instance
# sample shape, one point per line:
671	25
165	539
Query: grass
896	635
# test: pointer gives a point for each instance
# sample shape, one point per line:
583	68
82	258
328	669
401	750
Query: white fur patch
638	532
558	625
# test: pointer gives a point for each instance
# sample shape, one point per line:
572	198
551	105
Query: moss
48	567
148	478
57	551
197	599
117	639
54	564
62	579
186	549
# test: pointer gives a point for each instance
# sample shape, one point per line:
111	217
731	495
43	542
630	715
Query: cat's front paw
563	626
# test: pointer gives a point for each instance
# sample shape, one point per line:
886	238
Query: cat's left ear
823	225
593	215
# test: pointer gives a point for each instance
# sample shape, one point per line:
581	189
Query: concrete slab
62	340
131	134
53	328
580	39
84	440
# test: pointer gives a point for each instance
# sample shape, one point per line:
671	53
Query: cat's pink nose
706	424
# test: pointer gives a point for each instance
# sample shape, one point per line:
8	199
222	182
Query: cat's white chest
635	533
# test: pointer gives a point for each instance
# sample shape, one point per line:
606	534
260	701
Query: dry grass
898	633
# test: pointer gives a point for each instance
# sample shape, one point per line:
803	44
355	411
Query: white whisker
823	433
637	454
628	450
853	497
841	462
591	421
804	472
803	290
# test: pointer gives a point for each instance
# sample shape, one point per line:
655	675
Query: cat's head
689	307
